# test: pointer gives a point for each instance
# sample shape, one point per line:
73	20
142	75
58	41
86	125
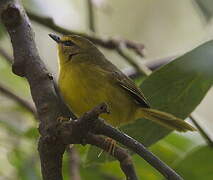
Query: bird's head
72	46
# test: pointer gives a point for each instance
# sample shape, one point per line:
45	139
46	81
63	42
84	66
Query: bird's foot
111	144
62	119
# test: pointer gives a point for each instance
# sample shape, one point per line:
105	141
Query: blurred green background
168	29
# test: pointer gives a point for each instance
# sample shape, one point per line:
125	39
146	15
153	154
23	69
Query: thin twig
201	131
106	43
17	99
91	20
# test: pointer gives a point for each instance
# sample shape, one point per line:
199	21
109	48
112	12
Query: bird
87	78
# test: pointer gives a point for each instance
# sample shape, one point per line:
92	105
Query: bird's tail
165	119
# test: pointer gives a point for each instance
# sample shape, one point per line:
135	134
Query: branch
89	123
68	133
27	63
17	99
109	44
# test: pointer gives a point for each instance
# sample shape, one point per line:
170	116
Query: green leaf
197	164
177	88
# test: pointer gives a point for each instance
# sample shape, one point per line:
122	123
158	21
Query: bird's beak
55	38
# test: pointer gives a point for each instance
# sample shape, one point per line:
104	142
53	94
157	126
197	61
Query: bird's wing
124	82
133	90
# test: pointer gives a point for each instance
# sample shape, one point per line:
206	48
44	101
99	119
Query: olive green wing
134	91
123	81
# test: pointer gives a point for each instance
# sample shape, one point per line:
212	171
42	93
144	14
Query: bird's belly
84	93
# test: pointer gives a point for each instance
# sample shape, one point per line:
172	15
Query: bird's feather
124	82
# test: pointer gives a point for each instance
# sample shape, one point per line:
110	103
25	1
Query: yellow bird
87	78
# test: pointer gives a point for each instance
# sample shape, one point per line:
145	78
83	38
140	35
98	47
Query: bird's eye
68	43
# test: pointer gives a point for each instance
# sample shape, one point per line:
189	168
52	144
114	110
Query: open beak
55	38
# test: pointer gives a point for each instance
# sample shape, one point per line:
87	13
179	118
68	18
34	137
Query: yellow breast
84	87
